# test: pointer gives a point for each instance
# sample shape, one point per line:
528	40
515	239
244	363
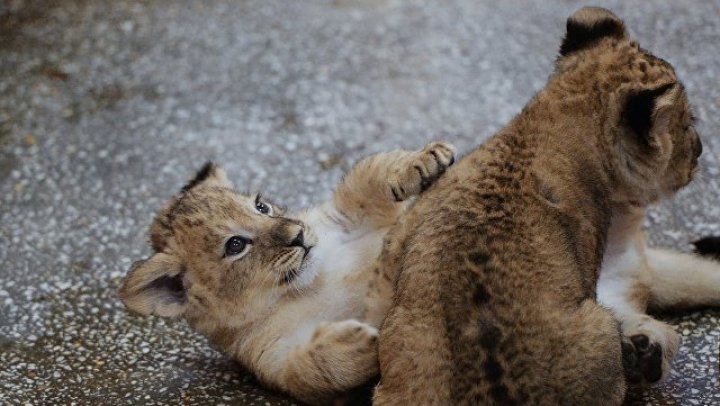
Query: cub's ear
155	286
210	175
587	26
647	112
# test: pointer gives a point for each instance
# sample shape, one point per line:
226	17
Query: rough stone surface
106	107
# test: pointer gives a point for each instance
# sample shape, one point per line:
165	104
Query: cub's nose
299	240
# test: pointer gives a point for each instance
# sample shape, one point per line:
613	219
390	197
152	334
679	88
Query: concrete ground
106	108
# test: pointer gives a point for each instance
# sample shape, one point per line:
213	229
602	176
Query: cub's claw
423	168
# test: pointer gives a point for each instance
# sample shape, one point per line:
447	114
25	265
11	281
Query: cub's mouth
293	273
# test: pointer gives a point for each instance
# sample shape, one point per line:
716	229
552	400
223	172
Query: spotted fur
497	265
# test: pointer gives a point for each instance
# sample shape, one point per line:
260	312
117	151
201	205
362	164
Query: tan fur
295	306
497	263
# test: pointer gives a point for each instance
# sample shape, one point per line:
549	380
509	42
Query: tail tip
708	246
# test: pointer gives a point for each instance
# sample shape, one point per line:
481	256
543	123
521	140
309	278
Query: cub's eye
262	207
236	245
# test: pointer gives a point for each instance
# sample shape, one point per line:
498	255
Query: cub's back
488	268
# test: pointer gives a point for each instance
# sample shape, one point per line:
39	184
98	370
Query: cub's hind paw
422	170
352	347
642	360
348	333
648	352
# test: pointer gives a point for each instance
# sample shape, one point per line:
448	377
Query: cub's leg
389	178
624	287
338	357
371	192
681	281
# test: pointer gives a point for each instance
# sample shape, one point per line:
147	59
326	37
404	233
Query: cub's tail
708	246
685	281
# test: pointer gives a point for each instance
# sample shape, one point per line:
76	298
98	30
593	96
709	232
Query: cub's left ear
155	286
587	26
647	112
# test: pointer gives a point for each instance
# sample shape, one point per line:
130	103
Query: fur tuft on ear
588	25
155	286
210	174
645	112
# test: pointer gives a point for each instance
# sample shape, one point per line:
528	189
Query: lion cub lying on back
291	296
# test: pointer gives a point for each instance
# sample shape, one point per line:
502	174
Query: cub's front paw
648	350
421	170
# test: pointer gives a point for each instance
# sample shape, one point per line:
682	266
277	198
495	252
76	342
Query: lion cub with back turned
291	296
497	264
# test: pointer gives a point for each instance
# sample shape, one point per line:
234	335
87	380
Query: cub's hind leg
339	356
589	357
371	194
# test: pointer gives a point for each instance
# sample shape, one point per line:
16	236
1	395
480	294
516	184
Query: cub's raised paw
421	170
648	351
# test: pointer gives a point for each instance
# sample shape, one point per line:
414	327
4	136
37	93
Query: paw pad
642	360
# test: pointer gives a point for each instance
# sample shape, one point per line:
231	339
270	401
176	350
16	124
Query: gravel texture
107	107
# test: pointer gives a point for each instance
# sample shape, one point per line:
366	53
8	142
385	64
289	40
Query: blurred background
107	107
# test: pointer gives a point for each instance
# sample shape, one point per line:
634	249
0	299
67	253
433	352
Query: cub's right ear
155	286
587	26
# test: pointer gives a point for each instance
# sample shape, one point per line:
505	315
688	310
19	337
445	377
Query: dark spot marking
501	395
493	369
490	337
479	258
468	215
481	295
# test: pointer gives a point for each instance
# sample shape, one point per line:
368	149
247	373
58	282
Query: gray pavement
107	107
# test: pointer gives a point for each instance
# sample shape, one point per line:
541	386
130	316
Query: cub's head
645	116
218	253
